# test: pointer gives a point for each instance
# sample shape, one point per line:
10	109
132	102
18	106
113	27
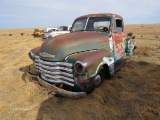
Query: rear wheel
134	50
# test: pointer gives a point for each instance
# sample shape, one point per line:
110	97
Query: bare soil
133	92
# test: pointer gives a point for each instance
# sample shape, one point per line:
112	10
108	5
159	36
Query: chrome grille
55	72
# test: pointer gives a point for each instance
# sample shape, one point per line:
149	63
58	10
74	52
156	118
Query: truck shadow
133	93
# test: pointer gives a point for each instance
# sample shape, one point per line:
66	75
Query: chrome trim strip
55	73
37	57
53	68
56	81
54	63
31	53
58	77
47	55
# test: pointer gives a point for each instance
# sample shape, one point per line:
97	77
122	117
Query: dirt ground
133	92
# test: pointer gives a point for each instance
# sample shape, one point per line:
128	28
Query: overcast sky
47	13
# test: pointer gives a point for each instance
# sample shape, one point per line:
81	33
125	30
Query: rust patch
92	59
99	15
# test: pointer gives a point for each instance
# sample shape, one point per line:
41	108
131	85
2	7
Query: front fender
93	60
34	52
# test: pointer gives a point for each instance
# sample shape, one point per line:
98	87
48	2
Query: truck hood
57	48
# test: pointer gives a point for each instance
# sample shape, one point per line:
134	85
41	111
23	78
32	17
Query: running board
119	64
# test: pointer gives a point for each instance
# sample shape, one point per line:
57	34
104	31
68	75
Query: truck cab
56	31
84	58
48	32
111	27
61	30
38	32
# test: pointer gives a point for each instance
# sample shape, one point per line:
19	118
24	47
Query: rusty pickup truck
74	64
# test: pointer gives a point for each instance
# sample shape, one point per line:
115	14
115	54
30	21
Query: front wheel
97	80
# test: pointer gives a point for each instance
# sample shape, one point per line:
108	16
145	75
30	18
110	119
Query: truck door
118	37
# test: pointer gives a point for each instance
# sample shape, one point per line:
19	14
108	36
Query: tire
134	50
95	84
99	78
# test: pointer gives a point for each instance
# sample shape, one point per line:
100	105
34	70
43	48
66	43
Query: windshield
79	25
99	24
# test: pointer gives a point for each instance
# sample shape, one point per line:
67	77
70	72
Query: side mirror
133	37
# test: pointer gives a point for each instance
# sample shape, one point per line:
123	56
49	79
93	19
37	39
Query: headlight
31	55
79	67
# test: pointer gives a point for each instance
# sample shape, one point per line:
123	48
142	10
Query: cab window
118	26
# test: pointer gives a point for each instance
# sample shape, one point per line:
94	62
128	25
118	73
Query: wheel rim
97	80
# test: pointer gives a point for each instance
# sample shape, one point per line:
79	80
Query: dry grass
17	31
133	93
152	48
144	31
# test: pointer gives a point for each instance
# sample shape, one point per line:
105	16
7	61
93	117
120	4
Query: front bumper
53	88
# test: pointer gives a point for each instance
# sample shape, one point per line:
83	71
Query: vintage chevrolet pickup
74	64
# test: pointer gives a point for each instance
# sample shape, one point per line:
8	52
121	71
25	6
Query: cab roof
100	15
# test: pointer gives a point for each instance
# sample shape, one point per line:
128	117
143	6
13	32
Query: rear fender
130	46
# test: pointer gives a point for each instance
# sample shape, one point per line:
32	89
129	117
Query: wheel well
106	71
